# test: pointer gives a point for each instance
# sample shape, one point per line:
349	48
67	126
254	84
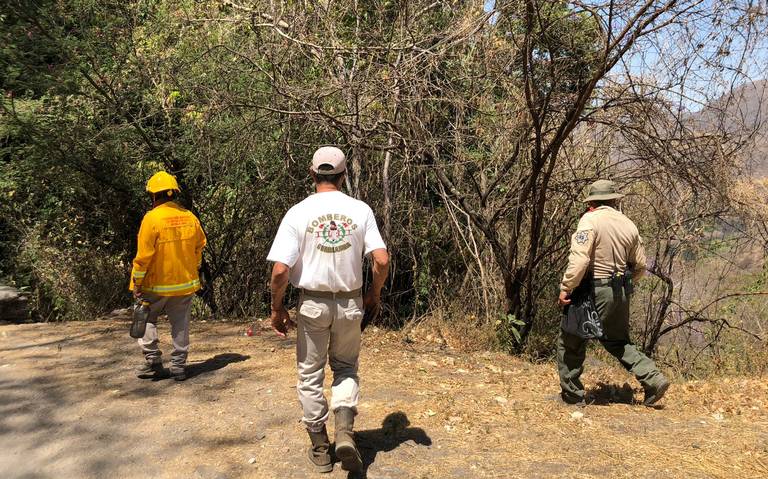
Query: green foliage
508	329
100	95
566	41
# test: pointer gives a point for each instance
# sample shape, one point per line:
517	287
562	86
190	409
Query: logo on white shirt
331	232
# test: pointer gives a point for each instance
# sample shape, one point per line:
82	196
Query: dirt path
70	407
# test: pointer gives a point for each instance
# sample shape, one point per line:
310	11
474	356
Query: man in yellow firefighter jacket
165	273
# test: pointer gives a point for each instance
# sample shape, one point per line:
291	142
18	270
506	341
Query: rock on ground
14	305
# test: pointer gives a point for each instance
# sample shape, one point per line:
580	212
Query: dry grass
71	408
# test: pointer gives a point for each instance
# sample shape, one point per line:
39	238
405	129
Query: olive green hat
602	190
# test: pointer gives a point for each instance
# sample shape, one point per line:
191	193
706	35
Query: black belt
333	295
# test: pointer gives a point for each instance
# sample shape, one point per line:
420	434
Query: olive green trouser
571	350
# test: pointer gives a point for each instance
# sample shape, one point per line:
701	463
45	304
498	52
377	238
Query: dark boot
655	393
179	373
153	370
319	452
572	400
346	450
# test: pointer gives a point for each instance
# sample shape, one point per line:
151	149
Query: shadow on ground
59	342
209	365
32	431
393	433
60	419
605	394
212	364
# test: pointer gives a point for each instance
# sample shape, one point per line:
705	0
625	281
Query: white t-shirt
323	240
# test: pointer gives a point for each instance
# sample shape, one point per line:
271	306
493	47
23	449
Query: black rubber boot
154	370
320	451
346	450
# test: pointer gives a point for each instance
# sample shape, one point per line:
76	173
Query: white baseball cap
331	156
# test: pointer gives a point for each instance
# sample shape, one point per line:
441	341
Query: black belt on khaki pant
601	281
333	295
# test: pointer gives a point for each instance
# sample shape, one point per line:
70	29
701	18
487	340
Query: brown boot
319	452
153	370
346	450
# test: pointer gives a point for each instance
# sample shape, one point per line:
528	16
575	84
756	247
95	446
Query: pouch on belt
580	318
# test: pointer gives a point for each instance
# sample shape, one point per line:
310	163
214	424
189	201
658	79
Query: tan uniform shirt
605	241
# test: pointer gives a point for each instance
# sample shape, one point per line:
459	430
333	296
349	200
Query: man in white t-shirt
319	248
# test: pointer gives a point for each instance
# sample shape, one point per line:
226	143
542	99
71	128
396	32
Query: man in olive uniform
606	244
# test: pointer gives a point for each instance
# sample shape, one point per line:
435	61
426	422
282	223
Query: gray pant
177	308
327	328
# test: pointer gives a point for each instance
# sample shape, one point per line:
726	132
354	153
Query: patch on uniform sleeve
581	237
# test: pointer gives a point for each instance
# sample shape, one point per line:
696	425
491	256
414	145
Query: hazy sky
692	75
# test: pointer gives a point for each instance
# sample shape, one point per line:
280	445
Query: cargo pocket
312	317
309	311
354	314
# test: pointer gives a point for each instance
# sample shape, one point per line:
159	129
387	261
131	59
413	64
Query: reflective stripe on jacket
170	249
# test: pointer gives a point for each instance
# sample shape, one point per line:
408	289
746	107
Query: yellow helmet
162	181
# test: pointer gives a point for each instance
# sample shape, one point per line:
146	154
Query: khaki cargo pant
177	308
571	350
328	329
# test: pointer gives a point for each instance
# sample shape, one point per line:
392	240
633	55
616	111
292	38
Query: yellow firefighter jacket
169	253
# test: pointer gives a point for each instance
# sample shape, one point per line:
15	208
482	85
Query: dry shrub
456	331
71	283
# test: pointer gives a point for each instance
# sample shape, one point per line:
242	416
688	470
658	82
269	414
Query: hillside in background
741	111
